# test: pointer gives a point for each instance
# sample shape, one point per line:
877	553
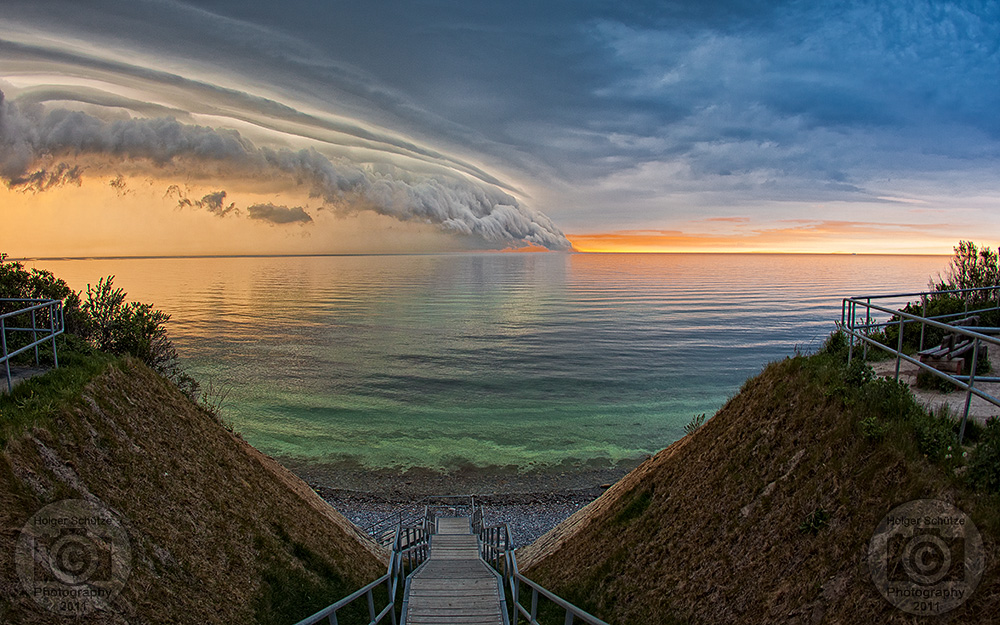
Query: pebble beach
529	515
531	504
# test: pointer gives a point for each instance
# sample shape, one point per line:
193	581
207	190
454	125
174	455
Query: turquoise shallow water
521	361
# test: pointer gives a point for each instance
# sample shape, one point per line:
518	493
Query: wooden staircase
454	586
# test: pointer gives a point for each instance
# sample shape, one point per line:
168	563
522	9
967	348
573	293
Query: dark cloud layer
455	204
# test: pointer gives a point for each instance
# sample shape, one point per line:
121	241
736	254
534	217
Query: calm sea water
526	361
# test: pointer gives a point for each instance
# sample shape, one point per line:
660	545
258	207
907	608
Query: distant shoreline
468	252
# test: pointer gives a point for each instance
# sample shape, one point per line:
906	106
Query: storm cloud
29	138
602	115
279	214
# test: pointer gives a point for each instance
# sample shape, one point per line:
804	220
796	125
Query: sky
158	127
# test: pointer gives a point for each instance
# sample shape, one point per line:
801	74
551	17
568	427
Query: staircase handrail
495	549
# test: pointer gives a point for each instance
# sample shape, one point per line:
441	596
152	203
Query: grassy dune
219	532
765	513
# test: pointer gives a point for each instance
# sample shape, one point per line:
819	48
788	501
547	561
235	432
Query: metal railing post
391	589
52	326
34	335
923	299
516	587
899	348
850	335
6	360
968	394
868	319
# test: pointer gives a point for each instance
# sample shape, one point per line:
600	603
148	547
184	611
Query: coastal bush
887	399
814	521
858	373
105	319
133	329
928	381
984	465
938	304
971	267
873	429
17	282
696	422
936	437
836	345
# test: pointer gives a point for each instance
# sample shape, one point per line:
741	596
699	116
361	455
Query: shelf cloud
42	145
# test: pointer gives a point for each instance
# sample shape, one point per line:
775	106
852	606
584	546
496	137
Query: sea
525	362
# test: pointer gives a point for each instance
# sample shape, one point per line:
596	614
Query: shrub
984	466
858	373
836	344
929	381
972	267
16	282
873	429
105	319
814	521
696	422
888	399
935	436
128	328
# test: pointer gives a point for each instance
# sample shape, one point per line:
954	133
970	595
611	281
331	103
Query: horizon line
469	252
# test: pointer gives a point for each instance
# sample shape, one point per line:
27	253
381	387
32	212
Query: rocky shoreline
529	515
531	503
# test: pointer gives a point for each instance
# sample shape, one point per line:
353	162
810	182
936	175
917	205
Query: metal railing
43	318
447	506
495	549
863	330
381	531
409	551
411	548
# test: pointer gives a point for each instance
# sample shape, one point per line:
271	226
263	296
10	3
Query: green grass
34	401
815	451
815	521
300	582
637	502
